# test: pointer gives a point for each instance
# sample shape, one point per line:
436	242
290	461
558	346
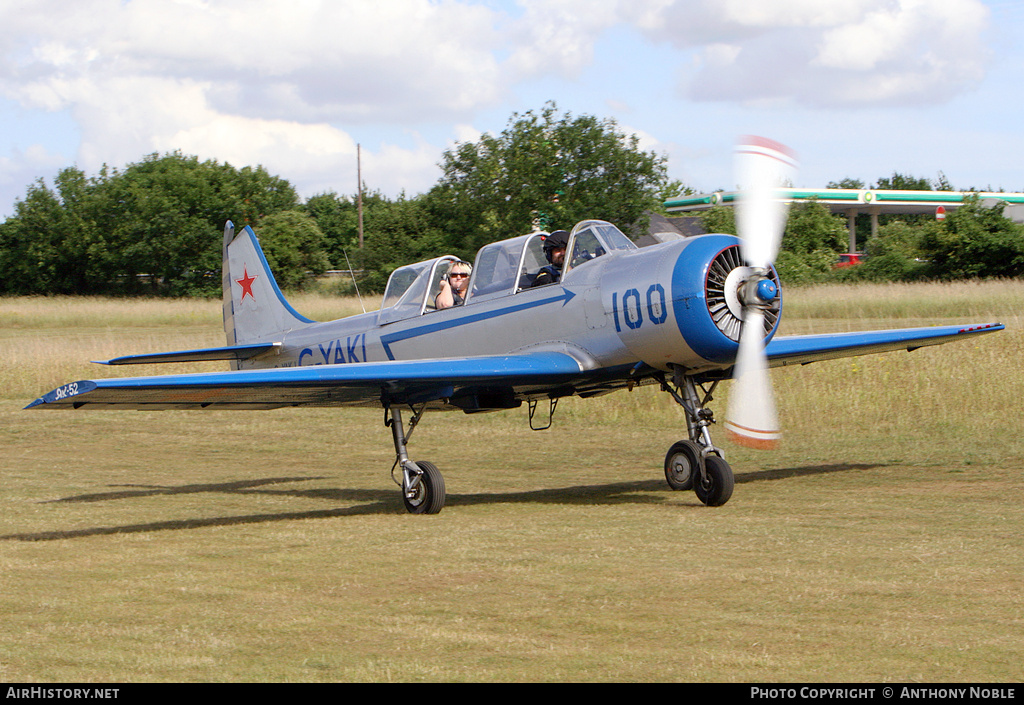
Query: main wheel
716	489
428	497
682	464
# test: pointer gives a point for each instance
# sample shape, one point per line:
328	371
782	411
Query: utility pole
359	175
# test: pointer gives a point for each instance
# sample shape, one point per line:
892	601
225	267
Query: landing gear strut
696	463
422	484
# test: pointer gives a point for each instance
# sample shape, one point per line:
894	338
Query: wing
473	384
803	349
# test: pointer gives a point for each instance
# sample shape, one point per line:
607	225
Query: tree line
154	227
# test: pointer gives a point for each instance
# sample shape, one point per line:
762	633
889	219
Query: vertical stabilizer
255	310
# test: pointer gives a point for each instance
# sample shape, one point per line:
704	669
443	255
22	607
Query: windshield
593	238
400	281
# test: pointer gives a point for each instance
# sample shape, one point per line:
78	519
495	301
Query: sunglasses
459	274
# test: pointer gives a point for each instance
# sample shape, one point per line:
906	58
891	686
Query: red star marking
246	283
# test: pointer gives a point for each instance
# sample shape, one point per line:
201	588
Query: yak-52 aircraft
684	314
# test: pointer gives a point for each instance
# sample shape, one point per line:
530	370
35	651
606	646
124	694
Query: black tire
716	489
429	496
682	464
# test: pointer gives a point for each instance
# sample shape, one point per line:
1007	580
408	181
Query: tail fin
255	310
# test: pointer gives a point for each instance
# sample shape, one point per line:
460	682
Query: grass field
882	542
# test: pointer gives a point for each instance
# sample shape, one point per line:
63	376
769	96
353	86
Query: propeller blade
763	166
752	420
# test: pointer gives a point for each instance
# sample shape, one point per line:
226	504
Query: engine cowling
680	302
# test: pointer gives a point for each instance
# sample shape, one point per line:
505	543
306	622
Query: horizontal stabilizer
803	349
231	352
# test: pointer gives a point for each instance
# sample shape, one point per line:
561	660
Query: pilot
554	250
454	286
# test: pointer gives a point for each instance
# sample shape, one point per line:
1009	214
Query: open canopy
502	268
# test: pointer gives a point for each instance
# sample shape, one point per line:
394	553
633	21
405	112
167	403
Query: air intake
725	275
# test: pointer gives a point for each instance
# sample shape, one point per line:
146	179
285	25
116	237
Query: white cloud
557	36
23	167
804	52
254	81
287	85
855	53
467	133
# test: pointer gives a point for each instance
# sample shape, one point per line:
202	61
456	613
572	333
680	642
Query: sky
858	88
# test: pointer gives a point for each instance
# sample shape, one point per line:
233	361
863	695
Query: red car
850	259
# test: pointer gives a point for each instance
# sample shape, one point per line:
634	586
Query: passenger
454	286
554	250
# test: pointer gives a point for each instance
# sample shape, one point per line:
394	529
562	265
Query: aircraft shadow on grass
382	501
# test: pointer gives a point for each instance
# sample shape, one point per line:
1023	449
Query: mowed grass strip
881	542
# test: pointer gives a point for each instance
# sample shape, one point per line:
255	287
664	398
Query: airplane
684	314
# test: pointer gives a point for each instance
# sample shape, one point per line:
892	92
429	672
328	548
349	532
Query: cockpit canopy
502	268
593	238
411	289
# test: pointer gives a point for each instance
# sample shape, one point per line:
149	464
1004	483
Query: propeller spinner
763	167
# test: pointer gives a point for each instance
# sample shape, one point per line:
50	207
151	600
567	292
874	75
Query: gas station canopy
872	202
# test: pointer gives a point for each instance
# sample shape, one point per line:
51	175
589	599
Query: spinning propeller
763	167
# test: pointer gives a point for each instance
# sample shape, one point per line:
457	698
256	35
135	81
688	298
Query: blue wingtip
60	394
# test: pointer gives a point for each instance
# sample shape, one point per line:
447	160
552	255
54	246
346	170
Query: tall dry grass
833	308
47	341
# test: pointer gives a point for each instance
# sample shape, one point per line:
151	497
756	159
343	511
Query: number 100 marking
633	310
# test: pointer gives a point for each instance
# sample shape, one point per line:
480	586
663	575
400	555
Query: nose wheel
714	486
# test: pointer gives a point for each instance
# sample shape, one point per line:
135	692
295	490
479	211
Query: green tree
903	182
719	219
30	244
162	218
338	219
399	232
846	183
171	210
554	169
294	247
52	243
891	256
974	241
811	227
811	243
